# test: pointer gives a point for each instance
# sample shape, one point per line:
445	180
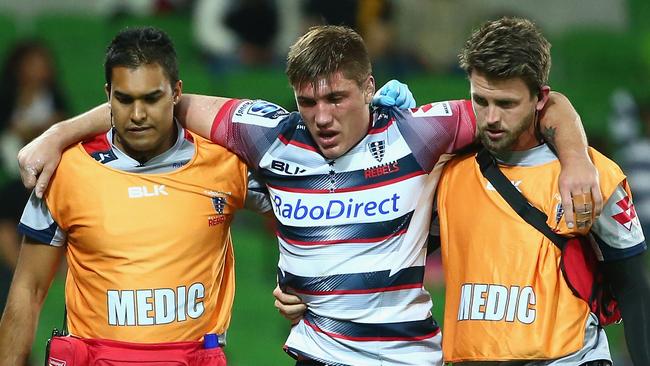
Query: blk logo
281	166
104	156
515	183
144	191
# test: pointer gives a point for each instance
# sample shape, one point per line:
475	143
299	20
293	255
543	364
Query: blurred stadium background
599	46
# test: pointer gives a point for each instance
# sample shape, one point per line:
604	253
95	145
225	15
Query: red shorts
73	351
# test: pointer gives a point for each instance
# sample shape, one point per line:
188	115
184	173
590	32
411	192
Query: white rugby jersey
352	231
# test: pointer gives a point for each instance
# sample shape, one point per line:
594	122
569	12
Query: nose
492	116
139	112
323	116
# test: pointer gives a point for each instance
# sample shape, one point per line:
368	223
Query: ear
542	97
107	90
369	89
177	92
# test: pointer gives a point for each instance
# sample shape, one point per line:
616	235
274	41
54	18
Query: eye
506	104
151	99
480	101
335	99
123	99
306	103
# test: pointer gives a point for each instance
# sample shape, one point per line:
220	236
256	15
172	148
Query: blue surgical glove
394	94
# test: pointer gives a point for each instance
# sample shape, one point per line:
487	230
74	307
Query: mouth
138	129
494	134
327	138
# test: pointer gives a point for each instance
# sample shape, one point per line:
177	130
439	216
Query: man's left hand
580	190
394	94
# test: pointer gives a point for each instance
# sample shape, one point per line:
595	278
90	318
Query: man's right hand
290	306
38	161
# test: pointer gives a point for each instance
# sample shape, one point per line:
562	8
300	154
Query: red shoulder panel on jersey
97	143
188	136
221	115
379	129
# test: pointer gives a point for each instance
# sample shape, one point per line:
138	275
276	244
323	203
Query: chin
330	152
499	146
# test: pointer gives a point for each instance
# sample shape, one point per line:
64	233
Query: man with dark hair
137	289
352	191
515	307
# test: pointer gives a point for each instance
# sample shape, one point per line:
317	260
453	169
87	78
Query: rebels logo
219	204
377	149
216	220
378	171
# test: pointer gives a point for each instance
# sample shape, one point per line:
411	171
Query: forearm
561	127
636	324
34	273
18	326
631	286
81	127
197	112
9	243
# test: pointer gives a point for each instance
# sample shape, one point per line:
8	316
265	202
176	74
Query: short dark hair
507	48
325	50
134	47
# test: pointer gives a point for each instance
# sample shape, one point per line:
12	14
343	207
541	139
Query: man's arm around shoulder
561	127
39	158
197	112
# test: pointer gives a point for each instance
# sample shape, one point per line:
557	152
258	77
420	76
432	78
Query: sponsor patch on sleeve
259	113
618	224
432	110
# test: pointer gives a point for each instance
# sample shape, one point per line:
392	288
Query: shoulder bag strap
515	199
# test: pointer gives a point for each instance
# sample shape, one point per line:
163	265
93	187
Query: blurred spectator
371	18
342	12
117	8
375	20
30	101
237	32
630	129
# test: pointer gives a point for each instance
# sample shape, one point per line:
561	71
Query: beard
510	136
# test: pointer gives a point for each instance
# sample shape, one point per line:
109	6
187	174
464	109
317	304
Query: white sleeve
618	230
38	224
